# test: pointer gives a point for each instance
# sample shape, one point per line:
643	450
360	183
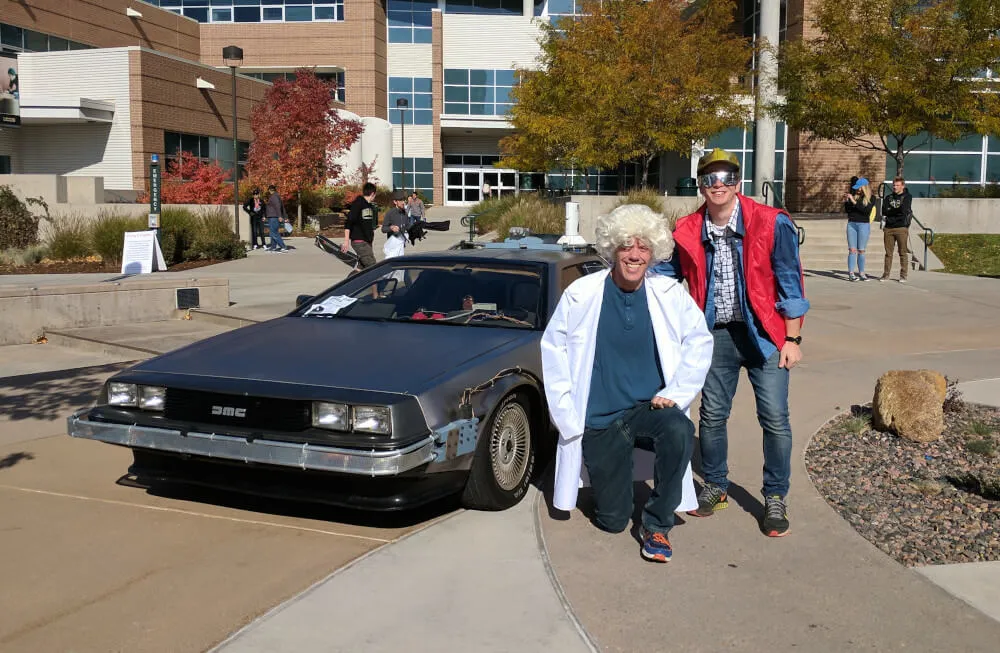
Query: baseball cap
859	183
718	155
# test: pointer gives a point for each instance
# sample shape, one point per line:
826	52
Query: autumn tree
298	135
190	180
628	80
885	73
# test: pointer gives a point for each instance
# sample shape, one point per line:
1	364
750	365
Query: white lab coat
683	342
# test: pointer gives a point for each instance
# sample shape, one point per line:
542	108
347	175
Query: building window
410	20
477	92
17	39
936	163
485	7
253	11
205	148
419	175
559	9
5	168
333	78
741	143
417	93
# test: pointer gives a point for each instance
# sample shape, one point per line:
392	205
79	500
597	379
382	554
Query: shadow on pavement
53	395
293	508
14	458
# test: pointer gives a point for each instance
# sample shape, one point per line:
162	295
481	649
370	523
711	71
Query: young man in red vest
741	262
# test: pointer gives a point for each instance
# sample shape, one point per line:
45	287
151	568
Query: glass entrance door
467	176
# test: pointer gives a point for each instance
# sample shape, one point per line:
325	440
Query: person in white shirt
623	357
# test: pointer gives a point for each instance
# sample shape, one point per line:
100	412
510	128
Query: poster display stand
141	253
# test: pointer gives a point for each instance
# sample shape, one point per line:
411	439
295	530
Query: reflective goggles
727	177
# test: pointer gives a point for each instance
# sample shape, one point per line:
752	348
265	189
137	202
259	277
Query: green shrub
991	190
178	230
23	256
69	237
645	196
984	447
18	225
107	234
215	239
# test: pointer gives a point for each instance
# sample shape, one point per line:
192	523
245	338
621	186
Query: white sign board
142	253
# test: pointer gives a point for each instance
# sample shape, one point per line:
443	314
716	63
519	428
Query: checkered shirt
727	307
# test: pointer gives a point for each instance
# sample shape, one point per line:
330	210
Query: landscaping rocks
909	404
921	503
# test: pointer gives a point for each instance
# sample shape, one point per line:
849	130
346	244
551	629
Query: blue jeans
857	241
607	453
733	350
273	228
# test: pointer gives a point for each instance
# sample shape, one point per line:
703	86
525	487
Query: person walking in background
255	209
274	209
858	205
394	226
741	262
897	211
359	228
623	357
415	208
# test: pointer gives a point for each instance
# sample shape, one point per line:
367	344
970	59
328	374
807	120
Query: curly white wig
634	221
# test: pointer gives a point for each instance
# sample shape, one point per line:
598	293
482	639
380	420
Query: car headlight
330	416
372	419
152	397
123	394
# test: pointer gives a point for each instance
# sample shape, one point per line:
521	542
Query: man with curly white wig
623	357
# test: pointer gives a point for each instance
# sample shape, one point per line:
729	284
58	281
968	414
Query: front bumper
266	452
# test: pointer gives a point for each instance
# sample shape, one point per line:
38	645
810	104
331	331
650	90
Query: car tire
505	457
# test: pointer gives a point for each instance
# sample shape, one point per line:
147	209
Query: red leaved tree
298	135
189	180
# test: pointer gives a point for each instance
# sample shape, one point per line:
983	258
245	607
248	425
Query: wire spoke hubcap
510	441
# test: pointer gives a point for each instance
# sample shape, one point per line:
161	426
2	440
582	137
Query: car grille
257	413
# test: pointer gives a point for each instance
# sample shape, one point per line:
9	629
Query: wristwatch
797	339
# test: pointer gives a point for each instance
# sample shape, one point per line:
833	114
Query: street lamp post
402	104
233	56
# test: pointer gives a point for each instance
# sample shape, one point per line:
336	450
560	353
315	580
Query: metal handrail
928	238
780	204
469	221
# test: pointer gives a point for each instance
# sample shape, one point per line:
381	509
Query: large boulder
909	404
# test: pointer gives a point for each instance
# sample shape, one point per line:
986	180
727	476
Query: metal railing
928	238
469	221
780	204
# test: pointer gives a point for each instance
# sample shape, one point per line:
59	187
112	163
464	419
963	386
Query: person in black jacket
858	207
359	228
897	211
255	209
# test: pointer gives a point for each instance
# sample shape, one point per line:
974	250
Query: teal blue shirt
626	363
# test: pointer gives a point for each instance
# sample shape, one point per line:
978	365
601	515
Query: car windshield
467	294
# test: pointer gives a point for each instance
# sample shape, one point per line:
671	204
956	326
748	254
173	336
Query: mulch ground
920	503
82	267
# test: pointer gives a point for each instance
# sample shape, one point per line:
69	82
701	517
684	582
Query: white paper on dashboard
331	305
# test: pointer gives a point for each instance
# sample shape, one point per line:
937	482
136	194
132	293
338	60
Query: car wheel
504	459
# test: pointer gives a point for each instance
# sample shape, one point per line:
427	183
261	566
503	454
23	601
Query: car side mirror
303	299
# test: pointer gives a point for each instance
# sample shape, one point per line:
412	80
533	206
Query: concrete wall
958	216
25	313
51	188
62	79
593	206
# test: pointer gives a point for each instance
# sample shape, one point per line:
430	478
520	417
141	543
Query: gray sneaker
711	498
775	522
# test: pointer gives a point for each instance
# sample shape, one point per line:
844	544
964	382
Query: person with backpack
898	212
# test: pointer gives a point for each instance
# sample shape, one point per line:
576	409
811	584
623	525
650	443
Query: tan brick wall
817	172
358	45
103	24
437	103
164	98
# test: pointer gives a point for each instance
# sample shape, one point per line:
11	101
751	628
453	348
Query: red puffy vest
758	274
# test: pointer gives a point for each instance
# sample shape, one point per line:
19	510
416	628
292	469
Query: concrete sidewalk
479	581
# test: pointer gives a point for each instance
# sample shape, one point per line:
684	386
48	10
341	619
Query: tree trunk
899	156
645	171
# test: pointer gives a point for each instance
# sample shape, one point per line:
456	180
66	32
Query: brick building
105	83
